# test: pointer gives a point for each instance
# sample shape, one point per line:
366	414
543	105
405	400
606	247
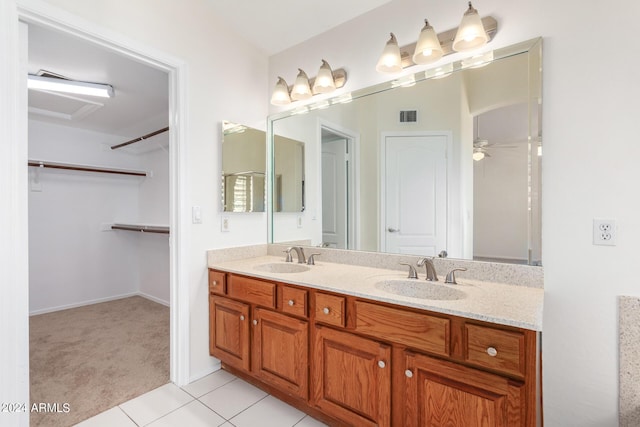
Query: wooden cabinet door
281	351
351	378
229	331
441	393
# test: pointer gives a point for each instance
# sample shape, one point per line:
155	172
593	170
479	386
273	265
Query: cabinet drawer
217	282
415	330
495	349
251	290
294	301
330	309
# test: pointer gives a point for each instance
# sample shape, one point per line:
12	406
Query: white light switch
196	215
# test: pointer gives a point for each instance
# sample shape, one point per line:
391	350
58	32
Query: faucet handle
288	252
413	274
451	276
310	259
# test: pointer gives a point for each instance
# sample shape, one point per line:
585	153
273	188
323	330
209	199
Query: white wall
589	168
72	261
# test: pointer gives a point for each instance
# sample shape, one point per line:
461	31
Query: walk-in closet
99	203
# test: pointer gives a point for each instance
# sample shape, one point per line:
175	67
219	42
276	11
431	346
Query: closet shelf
85	168
141	228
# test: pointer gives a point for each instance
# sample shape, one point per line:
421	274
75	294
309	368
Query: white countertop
511	305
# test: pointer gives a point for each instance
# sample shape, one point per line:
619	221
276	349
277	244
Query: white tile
310	422
209	383
269	412
156	403
194	414
108	418
232	398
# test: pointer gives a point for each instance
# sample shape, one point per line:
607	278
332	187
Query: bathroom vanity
348	345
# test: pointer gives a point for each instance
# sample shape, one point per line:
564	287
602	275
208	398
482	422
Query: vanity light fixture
301	89
324	82
390	61
428	48
473	33
439	72
327	81
280	95
55	84
477	61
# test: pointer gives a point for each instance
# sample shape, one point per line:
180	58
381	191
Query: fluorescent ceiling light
70	86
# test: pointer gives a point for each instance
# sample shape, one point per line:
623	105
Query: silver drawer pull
408	373
491	351
326	310
255	322
291	302
381	364
242	317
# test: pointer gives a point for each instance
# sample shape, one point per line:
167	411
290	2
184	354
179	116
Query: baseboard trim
98	301
154	299
216	367
81	304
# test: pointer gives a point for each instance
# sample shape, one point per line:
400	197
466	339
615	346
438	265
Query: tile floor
219	399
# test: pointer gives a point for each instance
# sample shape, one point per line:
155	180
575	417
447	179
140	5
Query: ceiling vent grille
408	116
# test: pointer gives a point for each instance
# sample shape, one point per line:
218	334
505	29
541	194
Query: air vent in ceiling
408	116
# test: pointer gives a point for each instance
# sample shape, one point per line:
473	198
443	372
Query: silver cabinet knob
215	283
326	310
255	322
491	351
408	373
291	302
241	317
381	364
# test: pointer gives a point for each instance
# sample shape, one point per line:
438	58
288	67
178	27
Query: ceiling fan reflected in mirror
481	146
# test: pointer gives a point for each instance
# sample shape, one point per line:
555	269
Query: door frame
381	185
15	124
353	142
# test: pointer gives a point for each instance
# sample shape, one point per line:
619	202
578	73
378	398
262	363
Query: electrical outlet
604	232
224	224
299	221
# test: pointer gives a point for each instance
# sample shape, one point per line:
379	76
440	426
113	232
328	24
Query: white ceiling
141	101
276	25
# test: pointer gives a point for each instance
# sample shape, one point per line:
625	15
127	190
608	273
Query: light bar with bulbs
54	84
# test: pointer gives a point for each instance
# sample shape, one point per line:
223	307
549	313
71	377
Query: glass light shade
428	48
301	89
478	155
390	61
280	95
471	33
439	72
324	82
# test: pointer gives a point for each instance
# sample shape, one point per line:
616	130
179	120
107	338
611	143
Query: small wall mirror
244	154
443	162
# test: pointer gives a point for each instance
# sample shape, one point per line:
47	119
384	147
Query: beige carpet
96	357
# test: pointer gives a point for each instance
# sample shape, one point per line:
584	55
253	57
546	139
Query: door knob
393	230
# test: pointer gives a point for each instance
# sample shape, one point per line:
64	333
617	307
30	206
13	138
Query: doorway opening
339	187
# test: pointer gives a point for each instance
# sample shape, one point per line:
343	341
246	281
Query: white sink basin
282	267
416	288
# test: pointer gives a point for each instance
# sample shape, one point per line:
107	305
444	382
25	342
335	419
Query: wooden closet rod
141	138
83	168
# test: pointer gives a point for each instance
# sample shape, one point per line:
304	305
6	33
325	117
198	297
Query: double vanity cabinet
350	360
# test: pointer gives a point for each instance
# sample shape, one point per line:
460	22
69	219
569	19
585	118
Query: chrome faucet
429	267
412	271
299	253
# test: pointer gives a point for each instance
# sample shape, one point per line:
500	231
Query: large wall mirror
439	163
